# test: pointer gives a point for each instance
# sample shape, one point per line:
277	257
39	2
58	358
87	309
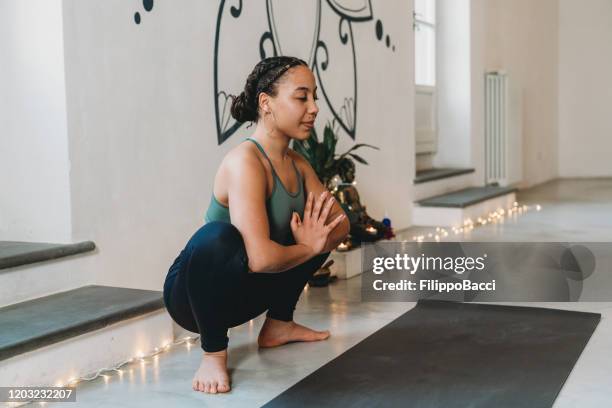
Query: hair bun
241	110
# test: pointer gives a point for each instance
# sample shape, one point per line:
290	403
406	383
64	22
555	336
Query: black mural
254	24
147	5
342	104
379	35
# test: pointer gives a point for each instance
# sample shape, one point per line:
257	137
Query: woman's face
294	107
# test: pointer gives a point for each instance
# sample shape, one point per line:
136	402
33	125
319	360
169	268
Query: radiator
503	130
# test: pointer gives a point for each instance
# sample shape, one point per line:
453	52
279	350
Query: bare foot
277	332
212	376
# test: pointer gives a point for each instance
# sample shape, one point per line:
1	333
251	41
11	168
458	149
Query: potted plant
323	159
329	167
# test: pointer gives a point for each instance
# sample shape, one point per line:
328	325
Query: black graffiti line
316	38
336	8
321	44
236	11
222	135
271	34
343	37
266	36
229	116
316	34
222	93
215	72
347	109
272	25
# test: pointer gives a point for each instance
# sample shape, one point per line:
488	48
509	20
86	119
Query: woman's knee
320	258
216	240
213	232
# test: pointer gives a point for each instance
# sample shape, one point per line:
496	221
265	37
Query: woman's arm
247	202
312	183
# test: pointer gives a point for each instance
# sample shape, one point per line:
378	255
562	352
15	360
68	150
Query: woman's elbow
345	228
256	265
259	259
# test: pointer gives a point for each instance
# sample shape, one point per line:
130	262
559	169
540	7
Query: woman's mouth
309	125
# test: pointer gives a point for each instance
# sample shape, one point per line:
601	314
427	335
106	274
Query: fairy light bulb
493	217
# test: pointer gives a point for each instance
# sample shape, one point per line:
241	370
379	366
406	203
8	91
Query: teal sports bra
279	206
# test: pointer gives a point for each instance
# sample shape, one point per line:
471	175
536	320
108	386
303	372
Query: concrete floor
572	210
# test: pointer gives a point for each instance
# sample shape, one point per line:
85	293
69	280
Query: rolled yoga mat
452	354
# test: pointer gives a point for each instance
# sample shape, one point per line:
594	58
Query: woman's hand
312	231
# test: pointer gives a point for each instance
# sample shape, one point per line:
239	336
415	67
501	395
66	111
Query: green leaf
358	158
358	145
329	140
313	136
299	147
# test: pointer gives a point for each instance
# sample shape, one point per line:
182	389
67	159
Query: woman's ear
264	101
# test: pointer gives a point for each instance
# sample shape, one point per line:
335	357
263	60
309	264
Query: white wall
454	84
478	37
521	38
143	135
34	167
585	88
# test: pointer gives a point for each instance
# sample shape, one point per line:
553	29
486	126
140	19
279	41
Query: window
425	42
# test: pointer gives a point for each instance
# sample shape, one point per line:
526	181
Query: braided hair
263	78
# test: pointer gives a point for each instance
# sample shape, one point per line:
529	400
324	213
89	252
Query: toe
223	388
213	387
200	386
194	385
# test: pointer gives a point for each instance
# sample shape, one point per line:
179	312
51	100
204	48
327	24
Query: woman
269	227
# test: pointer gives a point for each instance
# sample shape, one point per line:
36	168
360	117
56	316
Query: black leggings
208	288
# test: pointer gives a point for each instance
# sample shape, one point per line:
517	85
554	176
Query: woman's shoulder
246	156
243	156
302	164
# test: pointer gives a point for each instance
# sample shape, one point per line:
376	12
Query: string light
106	373
468	224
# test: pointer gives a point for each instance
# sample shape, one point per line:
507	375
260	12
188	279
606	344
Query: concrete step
74	333
466	197
445	185
29	270
427	175
17	253
452	209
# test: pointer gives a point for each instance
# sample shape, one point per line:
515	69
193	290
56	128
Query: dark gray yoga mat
452	354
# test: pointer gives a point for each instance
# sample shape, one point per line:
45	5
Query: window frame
433	26
426	138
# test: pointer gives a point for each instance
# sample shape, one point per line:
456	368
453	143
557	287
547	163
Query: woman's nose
314	109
